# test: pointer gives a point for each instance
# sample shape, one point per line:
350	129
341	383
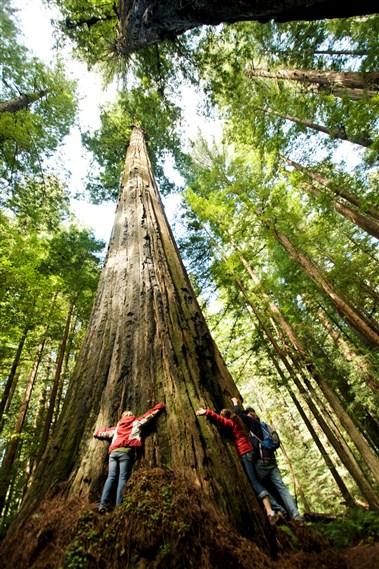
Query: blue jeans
270	471
120	467
260	491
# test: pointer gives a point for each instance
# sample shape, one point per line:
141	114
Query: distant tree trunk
356	320
324	453
301	355
143	22
340	448
21	102
339	132
64	373
147	341
352	84
362	221
56	383
340	192
12	373
371	381
6	469
332	52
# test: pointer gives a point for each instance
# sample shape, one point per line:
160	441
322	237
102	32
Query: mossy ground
164	523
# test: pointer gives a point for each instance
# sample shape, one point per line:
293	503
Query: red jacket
127	432
240	436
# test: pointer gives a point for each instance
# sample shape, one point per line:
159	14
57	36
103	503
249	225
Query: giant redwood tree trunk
147	341
143	22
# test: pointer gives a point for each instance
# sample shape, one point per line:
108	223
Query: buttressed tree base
188	502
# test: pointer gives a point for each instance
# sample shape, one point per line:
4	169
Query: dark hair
234	417
249	410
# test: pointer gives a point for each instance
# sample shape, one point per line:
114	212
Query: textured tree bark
353	317
143	22
339	192
338	133
147	341
339	83
21	102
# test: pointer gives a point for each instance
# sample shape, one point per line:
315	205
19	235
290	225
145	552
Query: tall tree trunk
21	102
352	84
12	373
147	341
328	184
143	22
338	133
6	469
56	382
354	318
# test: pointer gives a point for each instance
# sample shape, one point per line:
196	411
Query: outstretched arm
215	418
104	434
237	407
149	415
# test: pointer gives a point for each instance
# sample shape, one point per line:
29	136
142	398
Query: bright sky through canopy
35	20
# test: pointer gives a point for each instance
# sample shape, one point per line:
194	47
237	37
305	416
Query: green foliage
30	135
356	527
146	109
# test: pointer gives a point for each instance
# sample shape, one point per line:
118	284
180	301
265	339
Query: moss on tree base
164	523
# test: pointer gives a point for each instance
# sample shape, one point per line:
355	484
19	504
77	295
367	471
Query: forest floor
164	525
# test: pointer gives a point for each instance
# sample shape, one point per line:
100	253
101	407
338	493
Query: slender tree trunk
6	470
352	84
344	454
21	102
64	374
328	184
332	52
12	373
147	341
371	381
354	318
298	489
324	453
348	424
56	383
144	22
338	133
364	222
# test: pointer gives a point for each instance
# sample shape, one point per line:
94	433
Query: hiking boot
102	509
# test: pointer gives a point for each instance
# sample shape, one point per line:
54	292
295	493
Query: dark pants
120	468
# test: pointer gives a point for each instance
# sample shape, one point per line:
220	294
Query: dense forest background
279	229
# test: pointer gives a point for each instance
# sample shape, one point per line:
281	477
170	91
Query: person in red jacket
125	438
244	448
